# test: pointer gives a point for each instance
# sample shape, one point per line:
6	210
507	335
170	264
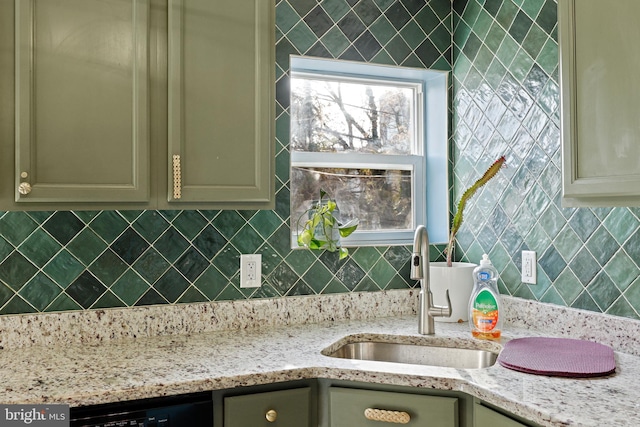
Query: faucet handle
449	307
442	310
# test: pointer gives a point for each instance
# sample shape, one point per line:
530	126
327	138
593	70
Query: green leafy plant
458	218
322	230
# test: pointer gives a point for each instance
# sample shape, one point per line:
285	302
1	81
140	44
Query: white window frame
429	163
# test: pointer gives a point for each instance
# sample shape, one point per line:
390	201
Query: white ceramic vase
459	280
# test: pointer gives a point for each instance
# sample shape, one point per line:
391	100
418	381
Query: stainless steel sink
452	357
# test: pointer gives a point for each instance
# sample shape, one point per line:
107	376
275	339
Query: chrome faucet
420	271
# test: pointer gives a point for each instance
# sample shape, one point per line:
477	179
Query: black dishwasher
191	410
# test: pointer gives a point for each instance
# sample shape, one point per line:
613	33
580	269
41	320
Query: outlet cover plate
529	267
250	270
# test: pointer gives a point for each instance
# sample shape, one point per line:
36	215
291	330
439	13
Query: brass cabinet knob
271	415
24	188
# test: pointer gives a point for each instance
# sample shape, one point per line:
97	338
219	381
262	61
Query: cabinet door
600	57
485	417
354	407
284	408
81	101
221	101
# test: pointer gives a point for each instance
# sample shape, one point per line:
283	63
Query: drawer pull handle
396	417
271	415
177	177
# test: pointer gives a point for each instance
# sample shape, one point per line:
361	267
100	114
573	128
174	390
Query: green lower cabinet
340	403
354	407
282	408
487	417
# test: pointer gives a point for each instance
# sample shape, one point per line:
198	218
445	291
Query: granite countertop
84	373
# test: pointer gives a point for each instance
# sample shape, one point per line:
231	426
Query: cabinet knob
395	417
24	188
271	415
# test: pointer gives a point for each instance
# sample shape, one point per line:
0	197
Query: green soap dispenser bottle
484	305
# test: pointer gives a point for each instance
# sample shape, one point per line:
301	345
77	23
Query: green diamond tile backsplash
505	101
56	261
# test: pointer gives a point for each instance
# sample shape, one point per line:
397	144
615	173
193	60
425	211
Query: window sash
417	110
413	163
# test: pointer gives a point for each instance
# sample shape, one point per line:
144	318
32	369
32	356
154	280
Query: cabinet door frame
485	415
259	193
349	406
138	189
292	407
621	190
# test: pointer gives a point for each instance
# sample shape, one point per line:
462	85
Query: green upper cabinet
599	59
137	104
221	101
81	101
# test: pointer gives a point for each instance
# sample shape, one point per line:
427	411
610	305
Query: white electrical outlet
529	266
250	270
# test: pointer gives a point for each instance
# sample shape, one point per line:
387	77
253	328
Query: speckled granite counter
81	372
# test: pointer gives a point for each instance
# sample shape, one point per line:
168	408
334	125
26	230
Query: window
375	138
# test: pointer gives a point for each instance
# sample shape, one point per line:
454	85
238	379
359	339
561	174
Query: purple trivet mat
562	357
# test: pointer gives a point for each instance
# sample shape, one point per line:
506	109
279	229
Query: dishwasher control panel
153	421
188	410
